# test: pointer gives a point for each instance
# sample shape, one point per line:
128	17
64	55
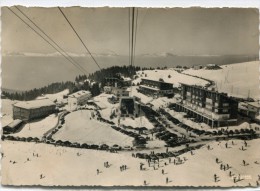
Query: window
225	110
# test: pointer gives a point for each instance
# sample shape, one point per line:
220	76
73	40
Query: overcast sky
190	31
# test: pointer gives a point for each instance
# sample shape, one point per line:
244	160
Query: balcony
205	112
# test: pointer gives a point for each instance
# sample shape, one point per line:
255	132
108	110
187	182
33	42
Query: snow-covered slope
241	79
71	166
6	111
169	76
38	128
80	128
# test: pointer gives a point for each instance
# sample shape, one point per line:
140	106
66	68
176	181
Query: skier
245	143
215	177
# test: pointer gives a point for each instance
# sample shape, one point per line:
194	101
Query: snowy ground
136	122
6	111
240	79
38	128
63	166
6	106
170	76
108	108
6	119
162	102
80	129
144	99
102	99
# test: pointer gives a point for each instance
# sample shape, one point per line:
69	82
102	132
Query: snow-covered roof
34	104
14	123
148	79
126	78
257	117
148	87
254	104
100	105
79	94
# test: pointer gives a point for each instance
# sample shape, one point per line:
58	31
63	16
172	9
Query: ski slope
81	129
241	79
63	166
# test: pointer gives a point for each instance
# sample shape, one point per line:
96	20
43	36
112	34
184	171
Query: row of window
200	93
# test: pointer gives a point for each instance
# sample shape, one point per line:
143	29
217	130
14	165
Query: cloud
56	54
169	54
163	54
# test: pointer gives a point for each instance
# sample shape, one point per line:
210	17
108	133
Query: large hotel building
34	109
155	88
211	107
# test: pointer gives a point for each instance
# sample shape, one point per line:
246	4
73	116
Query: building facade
29	110
213	108
120	92
250	109
156	88
113	82
129	107
107	89
79	98
118	81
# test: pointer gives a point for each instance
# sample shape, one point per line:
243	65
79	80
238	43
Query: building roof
148	87
162	82
254	104
126	78
14	123
34	104
100	105
79	94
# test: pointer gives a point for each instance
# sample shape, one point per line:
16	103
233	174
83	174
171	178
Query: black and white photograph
130	96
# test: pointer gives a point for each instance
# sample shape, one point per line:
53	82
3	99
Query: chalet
155	88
